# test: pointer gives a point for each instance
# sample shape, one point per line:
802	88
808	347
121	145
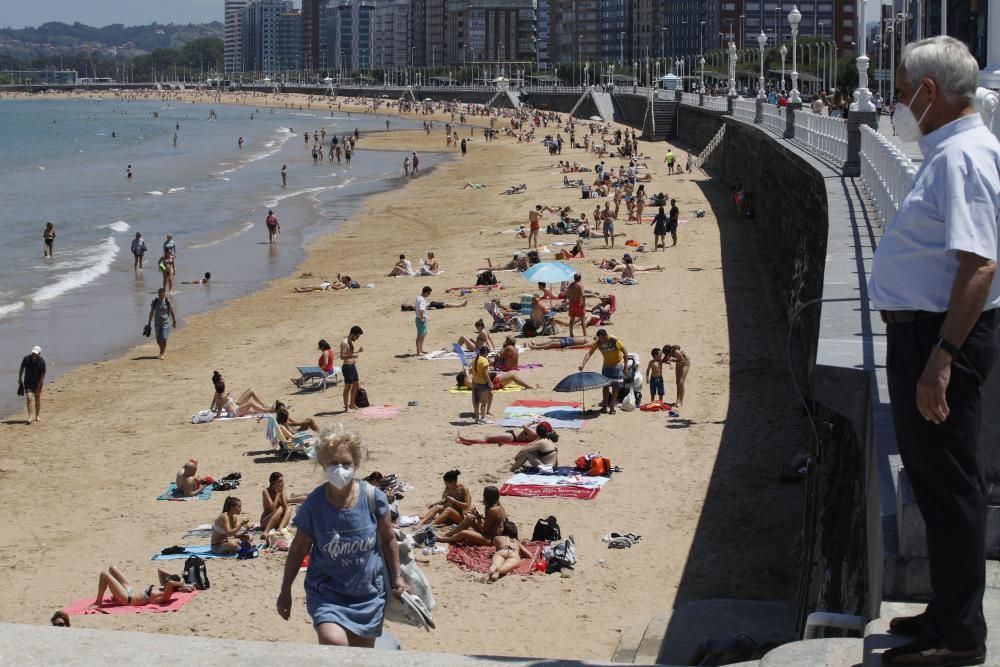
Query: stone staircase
660	122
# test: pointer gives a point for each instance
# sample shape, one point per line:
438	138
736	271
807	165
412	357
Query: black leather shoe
907	626
927	653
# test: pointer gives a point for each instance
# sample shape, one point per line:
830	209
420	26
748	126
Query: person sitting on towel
229	528
498	380
542	451
187	481
454	503
479	529
124	594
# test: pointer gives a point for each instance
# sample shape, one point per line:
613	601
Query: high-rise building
617	40
349	35
542	39
290	40
391	29
499	31
232	41
574	31
418	29
261	44
313	34
741	21
435	25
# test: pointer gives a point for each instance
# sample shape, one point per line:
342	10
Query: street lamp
863	96
732	69
740	38
621	48
701	61
762	42
794	17
784	52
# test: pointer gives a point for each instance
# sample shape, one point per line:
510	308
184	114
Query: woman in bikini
248	403
682	364
276	512
525	435
123	593
509	357
499	380
228	528
542	451
482	339
479	529
508	554
455	502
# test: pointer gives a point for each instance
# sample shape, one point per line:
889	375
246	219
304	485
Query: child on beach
508	554
654	374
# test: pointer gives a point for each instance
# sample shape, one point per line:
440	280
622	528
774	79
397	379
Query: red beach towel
478	559
540	491
83	608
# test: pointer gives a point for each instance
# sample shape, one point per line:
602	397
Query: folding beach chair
461	354
299	443
501	321
314	377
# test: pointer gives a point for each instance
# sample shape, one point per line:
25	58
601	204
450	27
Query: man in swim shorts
613	366
349	369
420	317
577	304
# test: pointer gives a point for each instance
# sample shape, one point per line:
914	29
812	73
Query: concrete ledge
41	645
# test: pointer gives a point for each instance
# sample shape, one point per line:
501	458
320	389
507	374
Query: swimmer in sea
284	175
203	281
128	172
241	143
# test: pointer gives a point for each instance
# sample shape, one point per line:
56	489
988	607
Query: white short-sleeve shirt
954	206
420	306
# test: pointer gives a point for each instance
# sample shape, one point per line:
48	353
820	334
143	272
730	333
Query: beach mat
204	494
542	491
83	608
387	411
517	422
205	551
539	403
564	482
466	390
205	530
478	559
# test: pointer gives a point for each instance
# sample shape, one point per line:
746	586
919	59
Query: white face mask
907	125
339	475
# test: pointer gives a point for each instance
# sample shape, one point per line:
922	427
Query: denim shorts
656	387
479	389
350	373
614	373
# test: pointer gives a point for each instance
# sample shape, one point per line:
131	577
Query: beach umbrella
549	272
581	382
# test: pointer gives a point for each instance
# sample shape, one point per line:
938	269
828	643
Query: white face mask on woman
907	125
339	475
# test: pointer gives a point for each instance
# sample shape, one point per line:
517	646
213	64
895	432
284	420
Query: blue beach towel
171	493
202	551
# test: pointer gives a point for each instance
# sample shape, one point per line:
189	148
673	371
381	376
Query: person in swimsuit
525	435
341	282
659	225
682	364
187	481
49	237
349	368
248	403
542	451
455	502
122	592
276	512
325	362
497	380
229	528
577	304
273	228
558	343
479	529
508	554
509	357
482	339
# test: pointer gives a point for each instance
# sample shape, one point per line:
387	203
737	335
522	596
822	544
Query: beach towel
516	422
539	403
205	530
478	559
466	390
527	367
656	406
205	551
171	493
387	411
83	608
476	288
562	483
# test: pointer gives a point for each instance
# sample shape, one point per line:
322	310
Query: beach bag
247	550
529	330
415	608
628	403
361	398
202	417
546	530
195	573
560	556
486	278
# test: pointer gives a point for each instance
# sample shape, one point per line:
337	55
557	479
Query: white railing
690	99
716	103
887	174
774	118
827	135
745	109
712	145
988	106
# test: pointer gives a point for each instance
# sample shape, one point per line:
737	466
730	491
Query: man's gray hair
946	60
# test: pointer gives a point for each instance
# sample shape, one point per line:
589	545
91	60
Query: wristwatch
947	346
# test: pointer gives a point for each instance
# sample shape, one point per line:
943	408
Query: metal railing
886	174
716	102
827	135
690	99
774	118
745	109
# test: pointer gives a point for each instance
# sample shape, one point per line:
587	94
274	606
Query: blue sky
18	14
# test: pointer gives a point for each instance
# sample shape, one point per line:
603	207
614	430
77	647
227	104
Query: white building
232	38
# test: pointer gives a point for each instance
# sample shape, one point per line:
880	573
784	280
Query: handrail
825	134
886	174
745	109
774	118
716	103
691	99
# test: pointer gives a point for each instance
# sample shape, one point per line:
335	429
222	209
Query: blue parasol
549	272
581	382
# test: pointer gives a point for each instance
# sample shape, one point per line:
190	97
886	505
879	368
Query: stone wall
630	109
696	127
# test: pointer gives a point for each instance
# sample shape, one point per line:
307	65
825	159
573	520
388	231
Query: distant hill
56	36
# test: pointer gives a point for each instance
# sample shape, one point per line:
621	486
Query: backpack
486	278
529	330
546	530
361	398
195	573
594	465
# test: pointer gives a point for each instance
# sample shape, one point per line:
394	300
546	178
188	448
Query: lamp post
762	42
701	61
784	52
794	17
892	61
732	69
863	96
621	48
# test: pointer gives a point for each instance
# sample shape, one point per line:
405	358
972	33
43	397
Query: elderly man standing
933	281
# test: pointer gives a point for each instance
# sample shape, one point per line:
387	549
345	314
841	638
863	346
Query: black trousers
940	461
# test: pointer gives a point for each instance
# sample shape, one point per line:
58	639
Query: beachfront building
434	32
574	31
313	34
740	21
391	30
232	39
542	39
348	26
259	31
496	31
290	41
617	40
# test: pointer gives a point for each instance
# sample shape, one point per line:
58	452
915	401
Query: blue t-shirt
344	564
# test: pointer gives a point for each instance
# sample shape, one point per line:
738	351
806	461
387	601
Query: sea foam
100	263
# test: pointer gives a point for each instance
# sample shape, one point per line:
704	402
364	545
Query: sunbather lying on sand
515	189
556	343
499	380
526	434
123	592
508	554
436	305
341	282
474	186
519	262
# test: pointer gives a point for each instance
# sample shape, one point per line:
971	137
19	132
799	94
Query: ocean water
60	163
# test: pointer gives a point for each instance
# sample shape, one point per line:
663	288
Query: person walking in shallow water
163	311
284	175
49	237
138	250
273	228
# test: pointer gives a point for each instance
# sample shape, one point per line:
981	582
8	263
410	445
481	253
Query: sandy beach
81	485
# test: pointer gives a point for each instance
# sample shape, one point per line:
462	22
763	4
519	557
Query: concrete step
816	653
910	579
878	639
